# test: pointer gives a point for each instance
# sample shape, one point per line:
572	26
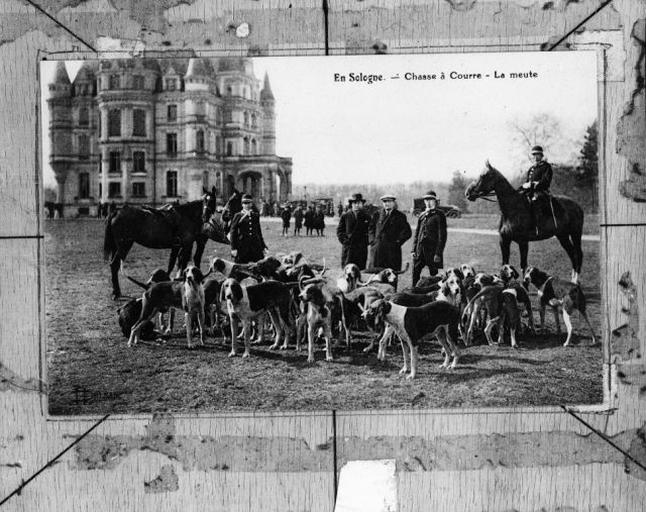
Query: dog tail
109	246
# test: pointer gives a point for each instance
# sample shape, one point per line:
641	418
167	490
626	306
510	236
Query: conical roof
198	68
86	73
61	77
266	93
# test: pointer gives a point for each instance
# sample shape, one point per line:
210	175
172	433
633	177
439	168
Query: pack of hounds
300	302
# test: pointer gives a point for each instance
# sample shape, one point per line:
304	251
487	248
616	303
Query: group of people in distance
313	217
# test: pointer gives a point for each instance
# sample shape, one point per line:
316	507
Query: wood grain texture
544	460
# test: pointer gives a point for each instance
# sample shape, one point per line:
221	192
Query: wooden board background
494	460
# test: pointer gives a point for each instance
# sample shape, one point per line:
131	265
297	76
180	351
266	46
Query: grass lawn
90	370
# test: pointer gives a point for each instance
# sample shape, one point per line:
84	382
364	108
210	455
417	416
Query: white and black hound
318	317
439	319
558	293
351	278
249	302
187	295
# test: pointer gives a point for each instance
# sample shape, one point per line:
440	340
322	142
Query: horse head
232	206
208	204
485	184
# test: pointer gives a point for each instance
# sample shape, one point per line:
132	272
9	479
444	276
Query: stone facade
152	131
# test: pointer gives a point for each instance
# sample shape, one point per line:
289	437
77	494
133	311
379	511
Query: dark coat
541	172
246	237
298	218
387	235
352	232
319	220
286	215
309	218
430	237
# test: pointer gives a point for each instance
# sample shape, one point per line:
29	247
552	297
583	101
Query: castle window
199	141
229	148
253	120
171	84
84	185
139	122
171	144
114	123
137	82
84	147
228	116
114	82
229	90
171	184
114	189
138	161
246	118
254	147
171	113
115	162
84	116
246	146
138	189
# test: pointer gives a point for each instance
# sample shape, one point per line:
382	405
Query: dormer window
137	82
114	82
171	84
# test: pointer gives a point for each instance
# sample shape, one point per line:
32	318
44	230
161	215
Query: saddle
168	214
542	208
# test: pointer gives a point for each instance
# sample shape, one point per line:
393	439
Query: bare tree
543	130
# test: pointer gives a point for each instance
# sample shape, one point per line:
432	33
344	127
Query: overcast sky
400	130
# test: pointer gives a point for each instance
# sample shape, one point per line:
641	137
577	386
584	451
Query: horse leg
505	244
571	252
184	256
200	244
172	259
115	264
576	242
524	250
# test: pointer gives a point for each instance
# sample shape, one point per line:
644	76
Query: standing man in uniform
430	238
247	243
388	232
536	187
352	232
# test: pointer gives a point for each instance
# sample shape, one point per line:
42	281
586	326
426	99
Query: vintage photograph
315	233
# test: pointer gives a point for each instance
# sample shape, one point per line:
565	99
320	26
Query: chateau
152	131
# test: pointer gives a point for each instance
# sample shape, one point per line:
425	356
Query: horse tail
109	246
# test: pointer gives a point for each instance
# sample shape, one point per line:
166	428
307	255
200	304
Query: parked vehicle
449	209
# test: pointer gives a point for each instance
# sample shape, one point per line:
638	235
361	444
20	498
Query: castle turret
126	105
267	103
60	129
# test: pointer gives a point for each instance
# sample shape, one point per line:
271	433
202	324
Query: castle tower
127	132
82	185
200	113
267	102
60	126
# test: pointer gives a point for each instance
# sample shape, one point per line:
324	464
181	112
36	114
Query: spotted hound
439	319
558	294
187	295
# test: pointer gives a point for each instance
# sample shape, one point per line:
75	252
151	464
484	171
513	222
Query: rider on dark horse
537	187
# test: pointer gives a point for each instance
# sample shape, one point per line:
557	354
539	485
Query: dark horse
176	227
233	206
516	223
